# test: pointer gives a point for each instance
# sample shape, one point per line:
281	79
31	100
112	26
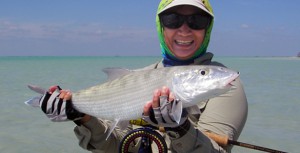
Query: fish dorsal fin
113	73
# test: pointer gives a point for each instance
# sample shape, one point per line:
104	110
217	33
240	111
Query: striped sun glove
58	109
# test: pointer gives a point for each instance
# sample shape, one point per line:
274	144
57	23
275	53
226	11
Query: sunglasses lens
174	21
198	22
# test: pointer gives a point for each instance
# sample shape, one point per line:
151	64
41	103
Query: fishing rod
160	142
224	141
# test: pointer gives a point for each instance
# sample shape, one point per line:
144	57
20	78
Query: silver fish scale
122	98
125	97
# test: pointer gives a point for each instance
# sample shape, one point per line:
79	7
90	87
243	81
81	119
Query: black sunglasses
194	21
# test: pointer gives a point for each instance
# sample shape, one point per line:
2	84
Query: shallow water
272	86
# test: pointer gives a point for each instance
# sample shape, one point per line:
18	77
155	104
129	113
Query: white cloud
73	39
245	26
92	32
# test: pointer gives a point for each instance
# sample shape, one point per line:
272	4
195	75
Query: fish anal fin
112	127
121	124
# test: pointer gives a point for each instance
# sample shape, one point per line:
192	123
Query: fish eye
203	72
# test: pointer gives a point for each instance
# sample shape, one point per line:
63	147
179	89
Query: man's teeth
181	42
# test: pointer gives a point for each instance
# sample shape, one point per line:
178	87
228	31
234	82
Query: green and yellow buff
167	54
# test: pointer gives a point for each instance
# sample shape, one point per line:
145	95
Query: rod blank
224	141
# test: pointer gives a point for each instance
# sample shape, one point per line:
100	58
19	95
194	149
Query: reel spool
147	135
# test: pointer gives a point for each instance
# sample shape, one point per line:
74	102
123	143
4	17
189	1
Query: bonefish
123	97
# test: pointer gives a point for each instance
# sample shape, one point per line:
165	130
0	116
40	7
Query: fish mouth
229	82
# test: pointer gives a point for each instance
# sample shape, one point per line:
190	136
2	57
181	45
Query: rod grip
221	140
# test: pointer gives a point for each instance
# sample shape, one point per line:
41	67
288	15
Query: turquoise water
272	86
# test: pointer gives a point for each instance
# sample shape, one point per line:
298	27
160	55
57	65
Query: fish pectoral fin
176	111
193	110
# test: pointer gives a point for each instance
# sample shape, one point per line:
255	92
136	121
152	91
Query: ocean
271	83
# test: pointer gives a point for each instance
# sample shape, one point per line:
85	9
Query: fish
124	95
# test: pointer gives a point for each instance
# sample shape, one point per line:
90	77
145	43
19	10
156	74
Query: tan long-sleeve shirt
224	115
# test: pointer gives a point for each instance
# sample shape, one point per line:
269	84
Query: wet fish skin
123	98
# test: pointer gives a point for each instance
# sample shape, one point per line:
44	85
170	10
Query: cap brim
195	3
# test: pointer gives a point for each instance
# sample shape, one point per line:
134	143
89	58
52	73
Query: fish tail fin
34	102
36	89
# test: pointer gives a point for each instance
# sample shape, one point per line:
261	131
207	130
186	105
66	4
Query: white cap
196	3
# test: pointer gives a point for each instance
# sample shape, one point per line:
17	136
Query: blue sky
110	28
